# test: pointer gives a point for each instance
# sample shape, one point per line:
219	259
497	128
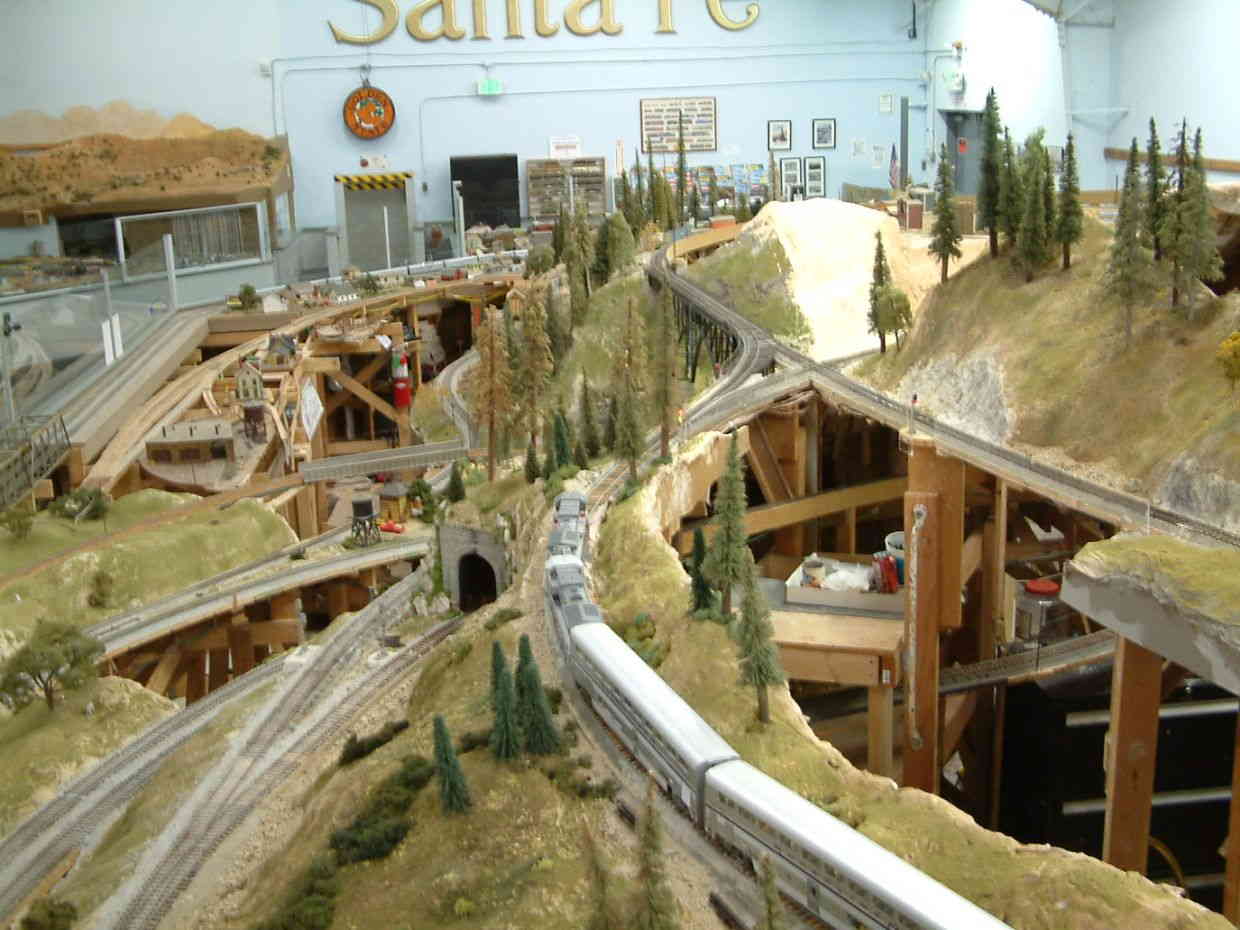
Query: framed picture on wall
790	170
815	176
779	135
824	133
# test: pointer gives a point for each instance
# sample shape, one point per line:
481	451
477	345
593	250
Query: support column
932	473
318	450
879	715
922	610
241	644
850	531
217	669
1131	751
1231	879
196	678
337	598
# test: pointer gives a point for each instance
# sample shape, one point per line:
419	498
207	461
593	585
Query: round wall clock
369	112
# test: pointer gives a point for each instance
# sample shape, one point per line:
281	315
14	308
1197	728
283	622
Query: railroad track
289	726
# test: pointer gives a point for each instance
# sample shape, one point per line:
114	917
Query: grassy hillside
1067	375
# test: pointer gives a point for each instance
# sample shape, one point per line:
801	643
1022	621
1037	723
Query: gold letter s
390	13
717	14
606	18
413	22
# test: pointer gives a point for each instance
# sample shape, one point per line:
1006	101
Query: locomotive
839	875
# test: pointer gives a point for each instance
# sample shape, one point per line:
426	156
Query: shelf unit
546	184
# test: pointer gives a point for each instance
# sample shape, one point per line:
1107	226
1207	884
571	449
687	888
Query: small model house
253	400
394	500
193	441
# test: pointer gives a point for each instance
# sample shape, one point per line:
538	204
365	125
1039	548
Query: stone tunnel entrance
477	580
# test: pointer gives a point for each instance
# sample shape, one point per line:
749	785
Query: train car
567	540
843	877
564	587
647	715
570	504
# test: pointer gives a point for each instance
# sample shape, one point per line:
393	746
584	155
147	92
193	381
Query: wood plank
1132	749
360	390
262	633
196	677
1225	165
812	664
165	670
365	376
971	556
957	711
879	711
921	689
765	464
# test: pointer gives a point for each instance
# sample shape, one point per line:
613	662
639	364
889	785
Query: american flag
893	174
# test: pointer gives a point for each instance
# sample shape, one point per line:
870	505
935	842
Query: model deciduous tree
989	210
58	656
664	352
535	366
945	234
1228	357
656	905
453	790
589	430
895	313
1069	219
505	738
754	635
1155	191
629	384
773	917
725	563
878	280
621	247
18	520
1011	193
743	211
492	385
701	596
1129	264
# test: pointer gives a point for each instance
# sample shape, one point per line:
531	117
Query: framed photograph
815	176
790	170
824	133
779	135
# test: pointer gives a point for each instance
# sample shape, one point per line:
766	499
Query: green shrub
554	697
472	739
311	902
357	748
463	907
50	914
369	839
502	616
415	773
460	651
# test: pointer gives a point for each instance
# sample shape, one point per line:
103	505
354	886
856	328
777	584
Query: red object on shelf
890	575
389	527
1043	586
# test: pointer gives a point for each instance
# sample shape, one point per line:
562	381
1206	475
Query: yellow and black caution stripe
373	182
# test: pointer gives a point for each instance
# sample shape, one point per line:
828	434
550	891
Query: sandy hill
34	127
1043	366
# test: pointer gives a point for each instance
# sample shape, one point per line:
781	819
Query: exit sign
489	87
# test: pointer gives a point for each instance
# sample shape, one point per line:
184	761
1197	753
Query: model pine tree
538	728
682	169
878	280
629	383
638	218
525	658
988	191
583	240
1155	191
611	425
652	212
1129	264
621	248
656	905
743	211
453	791
1201	257
559	235
626	194
665	370
1011	193
563	446
557	332
725	563
456	485
945	234
1174	229
531	464
754	635
702	597
606	911
1033	239
505	737
773	917
695	204
1048	202
589	430
713	194
492	384
498	662
511	341
535	365
601	270
1069	219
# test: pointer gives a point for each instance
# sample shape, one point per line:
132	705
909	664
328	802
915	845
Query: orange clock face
369	112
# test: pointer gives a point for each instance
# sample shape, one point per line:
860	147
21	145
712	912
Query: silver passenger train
841	876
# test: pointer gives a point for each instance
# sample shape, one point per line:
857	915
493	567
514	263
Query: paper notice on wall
564	146
858	148
311	408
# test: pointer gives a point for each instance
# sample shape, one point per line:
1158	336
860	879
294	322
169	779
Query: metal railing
29	450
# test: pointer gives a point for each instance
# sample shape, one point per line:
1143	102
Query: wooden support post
165	671
879	713
942	475
850	531
284	605
196	677
217	669
1131	751
318	450
337	598
240	644
1231	878
923	606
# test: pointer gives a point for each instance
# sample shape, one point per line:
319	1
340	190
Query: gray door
964	144
364	227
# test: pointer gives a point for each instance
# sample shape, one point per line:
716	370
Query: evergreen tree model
602	254
611	427
695	204
557	332
652	183
1201	256
511	341
626	194
505	738
552	460
453	791
580	459
621	248
988	191
1173	231
665	370
878	280
606	912
583	239
578	302
492	386
1228	358
773	917
1011	194
656	905
1033	239
559	235
713	194
1048	202
563	448
456	486
638	219
535	365
525	658
944	235
538	728
699	587
531	464
629	382
498	663
754	636
682	169
58	656
1155	191
725	563
1129	264
743	212
589	431
1070	219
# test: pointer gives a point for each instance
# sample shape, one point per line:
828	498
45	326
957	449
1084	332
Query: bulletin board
659	118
